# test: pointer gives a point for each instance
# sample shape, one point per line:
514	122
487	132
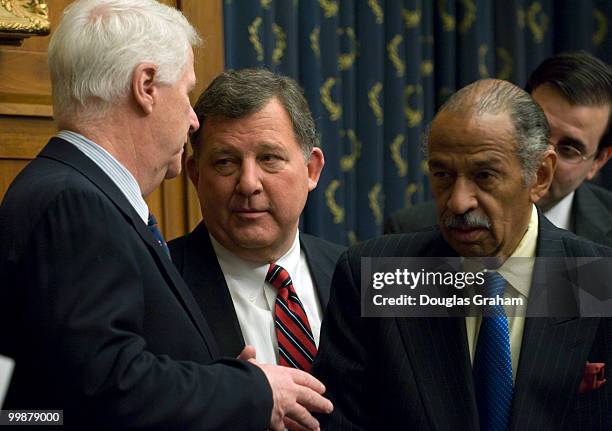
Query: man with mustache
575	92
255	159
489	162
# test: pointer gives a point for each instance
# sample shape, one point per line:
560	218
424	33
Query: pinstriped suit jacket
410	373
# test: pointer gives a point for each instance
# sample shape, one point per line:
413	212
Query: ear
544	175
599	162
315	166
192	170
144	90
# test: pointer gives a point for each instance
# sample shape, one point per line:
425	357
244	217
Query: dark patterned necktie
152	225
296	345
493	361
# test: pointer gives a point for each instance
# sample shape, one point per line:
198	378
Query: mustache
469	220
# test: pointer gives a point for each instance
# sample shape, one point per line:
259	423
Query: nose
194	124
249	182
463	197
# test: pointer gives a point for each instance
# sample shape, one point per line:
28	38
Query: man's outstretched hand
295	395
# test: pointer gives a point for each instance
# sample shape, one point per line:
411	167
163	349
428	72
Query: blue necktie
152	225
493	361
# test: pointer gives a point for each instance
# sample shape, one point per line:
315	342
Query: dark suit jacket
591	213
99	321
194	252
415	373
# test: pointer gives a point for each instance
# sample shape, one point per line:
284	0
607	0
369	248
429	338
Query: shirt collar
252	274
561	213
518	269
118	173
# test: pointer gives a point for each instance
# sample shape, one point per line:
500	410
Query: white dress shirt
254	298
561	213
518	272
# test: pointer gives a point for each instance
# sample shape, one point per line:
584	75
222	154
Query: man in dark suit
575	92
97	318
489	162
255	160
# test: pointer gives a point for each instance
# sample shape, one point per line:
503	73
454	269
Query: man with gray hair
255	159
489	161
97	318
574	90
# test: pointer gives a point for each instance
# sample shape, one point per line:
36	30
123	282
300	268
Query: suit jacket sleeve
81	281
341	359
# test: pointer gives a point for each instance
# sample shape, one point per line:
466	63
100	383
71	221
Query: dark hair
239	93
582	79
493	96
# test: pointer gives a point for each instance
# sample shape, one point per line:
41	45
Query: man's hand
247	353
295	394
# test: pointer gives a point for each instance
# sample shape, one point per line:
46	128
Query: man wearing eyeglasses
575	92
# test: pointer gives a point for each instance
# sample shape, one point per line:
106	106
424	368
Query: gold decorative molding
394	57
23	18
281	44
483	71
469	16
348	162
336	210
334	109
375	198
414	116
374	102
505	71
538	27
411	189
427	67
330	8
346	60
602	27
412	18
449	22
377	11
396	155
254	37
314	41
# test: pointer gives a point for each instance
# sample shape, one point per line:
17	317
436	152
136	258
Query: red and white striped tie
296	345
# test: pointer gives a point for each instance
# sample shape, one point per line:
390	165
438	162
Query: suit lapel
211	292
320	269
591	218
64	152
438	352
554	350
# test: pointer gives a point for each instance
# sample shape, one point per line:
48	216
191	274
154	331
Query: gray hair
239	93
492	96
98	43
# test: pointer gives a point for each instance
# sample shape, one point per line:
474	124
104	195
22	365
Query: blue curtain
374	72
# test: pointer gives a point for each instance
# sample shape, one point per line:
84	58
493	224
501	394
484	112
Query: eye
270	158
440	174
484	175
568	152
272	162
225	165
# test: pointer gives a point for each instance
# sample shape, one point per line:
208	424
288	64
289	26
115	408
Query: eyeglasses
571	154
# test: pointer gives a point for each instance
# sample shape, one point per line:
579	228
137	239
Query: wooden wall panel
10	169
207	17
26	122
